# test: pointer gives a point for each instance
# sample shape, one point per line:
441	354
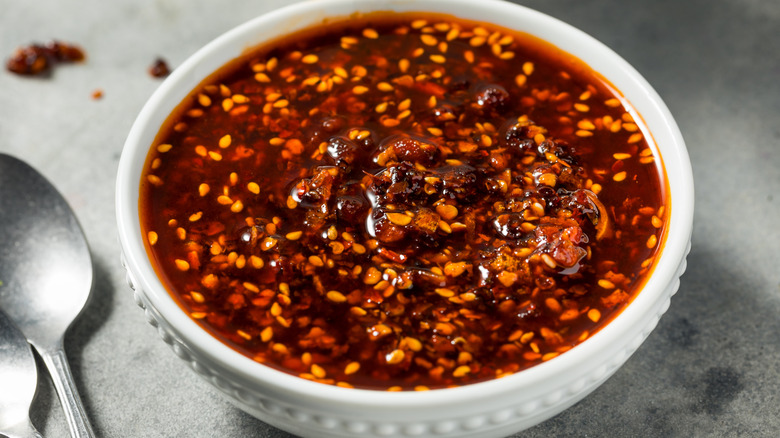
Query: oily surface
403	202
708	369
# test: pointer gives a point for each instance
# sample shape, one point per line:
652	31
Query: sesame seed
652	241
549	261
447	212
385	86
635	138
295	235
267	334
461	371
548	356
583	133
336	296
351	368
553	304
419	24
606	284
630	127
318	371
239	98
428	40
454	269
395	357
444	292
477	41
581	107
399	219
370	33
349	40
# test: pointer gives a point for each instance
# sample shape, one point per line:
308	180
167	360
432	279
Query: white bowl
492	408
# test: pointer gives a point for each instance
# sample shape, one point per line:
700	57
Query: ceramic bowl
492	408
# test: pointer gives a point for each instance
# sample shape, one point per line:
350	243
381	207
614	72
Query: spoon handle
57	363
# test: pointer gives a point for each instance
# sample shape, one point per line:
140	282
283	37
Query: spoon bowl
19	380
46	270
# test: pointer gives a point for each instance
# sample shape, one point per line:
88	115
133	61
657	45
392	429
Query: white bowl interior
635	89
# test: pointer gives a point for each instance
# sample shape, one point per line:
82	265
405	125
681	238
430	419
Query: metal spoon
19	380
46	270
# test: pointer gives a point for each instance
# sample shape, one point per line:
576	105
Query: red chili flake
37	59
159	69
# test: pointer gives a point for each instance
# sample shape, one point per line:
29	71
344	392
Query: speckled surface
711	367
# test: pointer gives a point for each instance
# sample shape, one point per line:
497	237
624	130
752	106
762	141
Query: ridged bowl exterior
489	409
506	415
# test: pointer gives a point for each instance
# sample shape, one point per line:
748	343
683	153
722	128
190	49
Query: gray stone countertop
710	368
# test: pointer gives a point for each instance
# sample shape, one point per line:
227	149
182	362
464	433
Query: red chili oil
403	202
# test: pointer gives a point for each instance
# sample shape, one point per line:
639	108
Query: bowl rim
627	80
